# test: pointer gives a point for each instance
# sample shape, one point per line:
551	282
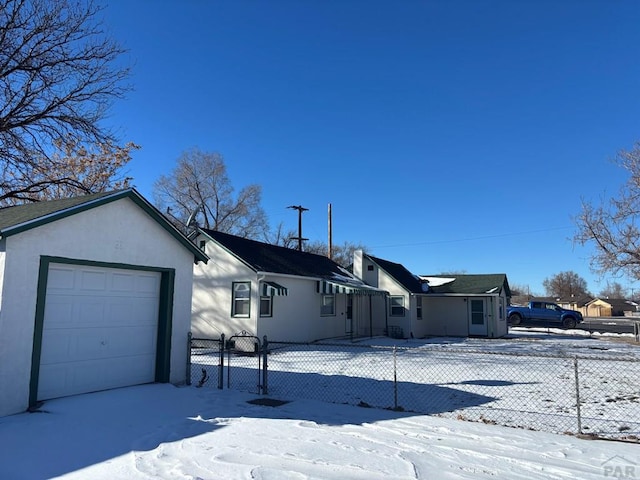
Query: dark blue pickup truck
543	314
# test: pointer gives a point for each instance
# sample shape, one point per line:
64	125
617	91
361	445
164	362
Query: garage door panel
100	329
134	312
147	284
68	345
62	278
121	282
94	375
91	281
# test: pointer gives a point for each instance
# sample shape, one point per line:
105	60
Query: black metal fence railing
597	395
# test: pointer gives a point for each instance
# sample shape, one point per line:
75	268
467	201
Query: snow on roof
436	281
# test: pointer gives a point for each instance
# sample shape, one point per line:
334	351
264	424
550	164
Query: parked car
543	313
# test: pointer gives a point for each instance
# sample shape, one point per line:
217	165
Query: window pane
241	299
265	306
242	290
396	306
327	305
241	307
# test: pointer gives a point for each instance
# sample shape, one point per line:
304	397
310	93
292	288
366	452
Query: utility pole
300	209
330	234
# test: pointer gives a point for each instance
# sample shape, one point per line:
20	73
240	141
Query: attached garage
95	293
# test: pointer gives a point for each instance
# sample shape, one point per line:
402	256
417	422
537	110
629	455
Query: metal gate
244	363
244	369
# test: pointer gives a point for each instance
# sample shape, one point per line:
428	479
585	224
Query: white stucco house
436	305
95	293
285	294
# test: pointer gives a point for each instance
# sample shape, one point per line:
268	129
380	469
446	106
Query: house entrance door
348	321
478	316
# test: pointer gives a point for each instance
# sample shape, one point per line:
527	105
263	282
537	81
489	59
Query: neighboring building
285	294
610	307
403	312
574	303
468	305
95	293
436	305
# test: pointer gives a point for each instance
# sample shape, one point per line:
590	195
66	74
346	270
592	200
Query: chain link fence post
189	335
395	378
265	370
221	363
578	408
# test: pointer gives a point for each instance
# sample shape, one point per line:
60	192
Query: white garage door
100	329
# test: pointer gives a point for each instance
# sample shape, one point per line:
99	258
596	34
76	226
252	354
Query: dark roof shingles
403	276
264	257
18	214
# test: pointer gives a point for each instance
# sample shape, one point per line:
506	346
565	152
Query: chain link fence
549	392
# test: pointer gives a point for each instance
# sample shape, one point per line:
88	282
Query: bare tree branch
612	226
58	76
199	184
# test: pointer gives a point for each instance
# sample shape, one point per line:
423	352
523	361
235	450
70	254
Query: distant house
425	305
574	303
286	294
610	307
95	293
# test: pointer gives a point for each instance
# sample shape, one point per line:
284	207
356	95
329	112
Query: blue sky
447	135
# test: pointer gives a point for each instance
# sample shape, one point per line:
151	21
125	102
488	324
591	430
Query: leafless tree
612	226
59	74
341	254
614	290
281	237
199	189
565	284
520	293
454	272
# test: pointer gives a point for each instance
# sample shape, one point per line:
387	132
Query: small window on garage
241	301
396	306
328	305
419	308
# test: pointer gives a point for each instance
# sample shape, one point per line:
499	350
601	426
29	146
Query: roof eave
198	255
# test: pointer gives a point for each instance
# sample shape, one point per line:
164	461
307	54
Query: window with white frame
419	308
396	306
328	305
266	306
241	301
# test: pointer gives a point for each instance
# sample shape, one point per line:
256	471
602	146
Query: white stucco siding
212	296
3	245
296	316
500	317
446	316
420	325
119	233
385	282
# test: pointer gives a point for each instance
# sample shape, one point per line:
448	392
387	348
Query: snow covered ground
166	432
532	379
